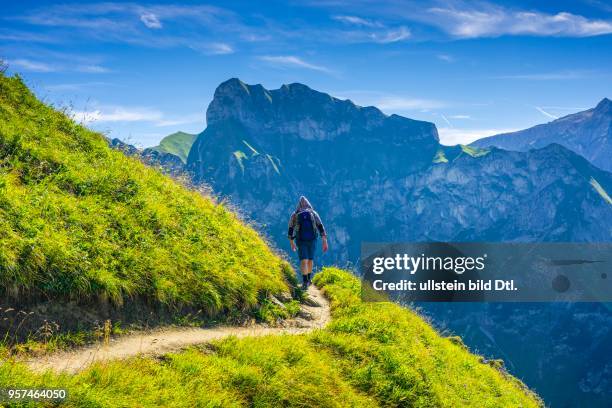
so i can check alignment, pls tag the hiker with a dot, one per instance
(303, 227)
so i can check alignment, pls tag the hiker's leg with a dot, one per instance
(309, 267)
(310, 260)
(303, 255)
(311, 254)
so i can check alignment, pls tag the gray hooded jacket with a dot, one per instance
(304, 205)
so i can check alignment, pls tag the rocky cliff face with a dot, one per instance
(587, 133)
(304, 137)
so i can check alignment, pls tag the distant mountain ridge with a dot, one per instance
(168, 163)
(296, 122)
(386, 177)
(178, 144)
(588, 133)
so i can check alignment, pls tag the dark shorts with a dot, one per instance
(306, 249)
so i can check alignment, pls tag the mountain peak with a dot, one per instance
(296, 86)
(232, 86)
(605, 105)
(586, 133)
(297, 110)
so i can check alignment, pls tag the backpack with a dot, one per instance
(306, 228)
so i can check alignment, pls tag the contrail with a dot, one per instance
(543, 112)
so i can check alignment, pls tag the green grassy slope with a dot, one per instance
(178, 144)
(372, 354)
(394, 355)
(79, 221)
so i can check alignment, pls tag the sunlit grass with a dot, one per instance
(474, 151)
(81, 222)
(372, 354)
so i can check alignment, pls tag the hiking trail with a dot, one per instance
(166, 340)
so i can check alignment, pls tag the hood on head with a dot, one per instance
(303, 204)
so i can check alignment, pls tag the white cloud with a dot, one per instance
(357, 35)
(220, 48)
(547, 114)
(493, 21)
(133, 23)
(369, 31)
(150, 20)
(255, 37)
(358, 21)
(92, 69)
(118, 114)
(391, 36)
(445, 57)
(452, 136)
(181, 120)
(566, 108)
(460, 117)
(549, 76)
(393, 104)
(73, 87)
(32, 66)
(390, 103)
(215, 48)
(24, 64)
(292, 61)
(20, 36)
(109, 114)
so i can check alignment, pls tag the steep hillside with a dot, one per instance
(82, 224)
(371, 355)
(178, 144)
(587, 133)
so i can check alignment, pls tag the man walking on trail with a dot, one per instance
(303, 227)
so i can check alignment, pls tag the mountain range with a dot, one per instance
(588, 133)
(378, 177)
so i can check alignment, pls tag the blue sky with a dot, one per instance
(140, 71)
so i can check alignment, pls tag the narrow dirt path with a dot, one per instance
(316, 314)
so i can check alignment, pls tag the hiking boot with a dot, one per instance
(305, 286)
